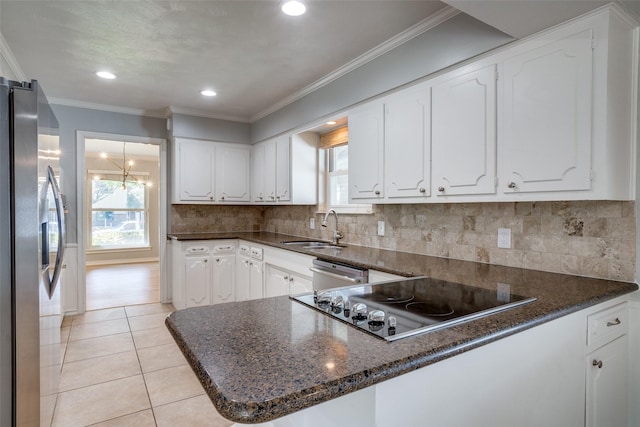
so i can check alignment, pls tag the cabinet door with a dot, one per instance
(607, 385)
(407, 143)
(546, 131)
(223, 278)
(366, 152)
(195, 172)
(269, 178)
(258, 173)
(299, 284)
(283, 169)
(256, 276)
(464, 134)
(197, 282)
(276, 281)
(232, 173)
(243, 279)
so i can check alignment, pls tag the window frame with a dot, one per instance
(107, 175)
(326, 155)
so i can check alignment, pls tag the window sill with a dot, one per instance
(118, 249)
(347, 210)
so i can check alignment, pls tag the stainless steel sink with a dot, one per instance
(312, 244)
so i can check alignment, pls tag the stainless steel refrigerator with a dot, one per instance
(31, 252)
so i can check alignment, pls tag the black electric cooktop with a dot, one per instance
(402, 308)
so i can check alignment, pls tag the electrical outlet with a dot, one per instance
(380, 228)
(504, 238)
(312, 223)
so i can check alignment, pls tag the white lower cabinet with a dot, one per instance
(249, 273)
(203, 272)
(607, 368)
(286, 272)
(607, 382)
(223, 277)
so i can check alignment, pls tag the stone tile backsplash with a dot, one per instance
(587, 238)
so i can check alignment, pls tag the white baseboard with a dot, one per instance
(122, 261)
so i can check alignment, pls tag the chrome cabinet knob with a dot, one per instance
(206, 260)
(441, 189)
(512, 185)
(423, 190)
(597, 363)
(222, 198)
(210, 197)
(377, 192)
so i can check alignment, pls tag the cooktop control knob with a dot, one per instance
(347, 308)
(376, 320)
(323, 299)
(359, 311)
(337, 304)
(392, 322)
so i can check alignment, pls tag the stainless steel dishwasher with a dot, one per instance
(327, 275)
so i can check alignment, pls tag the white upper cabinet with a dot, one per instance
(194, 171)
(407, 146)
(547, 109)
(210, 172)
(389, 148)
(366, 152)
(233, 166)
(464, 132)
(285, 170)
(565, 112)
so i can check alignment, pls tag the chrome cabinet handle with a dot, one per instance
(441, 189)
(512, 185)
(597, 363)
(614, 323)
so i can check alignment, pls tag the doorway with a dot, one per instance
(122, 221)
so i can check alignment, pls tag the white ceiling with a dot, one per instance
(165, 51)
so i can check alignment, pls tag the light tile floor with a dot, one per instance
(122, 368)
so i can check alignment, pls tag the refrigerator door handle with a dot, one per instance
(57, 197)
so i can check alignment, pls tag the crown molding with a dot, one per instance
(111, 108)
(432, 21)
(198, 113)
(8, 56)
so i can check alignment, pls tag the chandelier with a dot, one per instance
(125, 167)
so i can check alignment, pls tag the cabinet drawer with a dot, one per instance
(607, 325)
(196, 249)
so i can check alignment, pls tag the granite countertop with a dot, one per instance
(263, 359)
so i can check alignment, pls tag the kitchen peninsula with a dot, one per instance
(274, 359)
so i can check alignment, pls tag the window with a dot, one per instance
(118, 214)
(337, 181)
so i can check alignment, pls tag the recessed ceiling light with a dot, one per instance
(293, 8)
(106, 75)
(331, 122)
(208, 92)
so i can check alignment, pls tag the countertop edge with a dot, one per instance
(256, 412)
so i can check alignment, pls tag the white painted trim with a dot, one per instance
(111, 108)
(432, 21)
(8, 56)
(81, 135)
(122, 261)
(200, 113)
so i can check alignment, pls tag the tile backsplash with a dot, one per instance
(588, 238)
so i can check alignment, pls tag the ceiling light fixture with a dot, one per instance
(331, 122)
(106, 75)
(293, 8)
(208, 92)
(125, 168)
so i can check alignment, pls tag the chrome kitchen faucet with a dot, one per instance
(337, 235)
